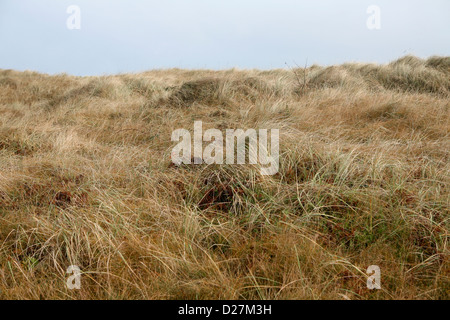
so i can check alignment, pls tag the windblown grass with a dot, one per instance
(85, 179)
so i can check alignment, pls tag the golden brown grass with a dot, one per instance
(85, 179)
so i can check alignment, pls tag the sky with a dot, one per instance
(118, 36)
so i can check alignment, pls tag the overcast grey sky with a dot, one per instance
(137, 35)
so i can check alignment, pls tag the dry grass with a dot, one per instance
(85, 179)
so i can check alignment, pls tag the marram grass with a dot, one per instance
(86, 179)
